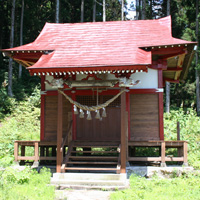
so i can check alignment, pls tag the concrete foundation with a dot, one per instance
(149, 171)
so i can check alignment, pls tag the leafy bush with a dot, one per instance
(189, 131)
(26, 184)
(22, 124)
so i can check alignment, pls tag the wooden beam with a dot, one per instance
(174, 69)
(160, 104)
(171, 80)
(42, 107)
(123, 132)
(59, 132)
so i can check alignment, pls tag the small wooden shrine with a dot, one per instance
(102, 92)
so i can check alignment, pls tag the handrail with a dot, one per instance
(66, 137)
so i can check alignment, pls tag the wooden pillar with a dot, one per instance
(160, 104)
(16, 149)
(163, 164)
(59, 132)
(185, 149)
(123, 132)
(36, 152)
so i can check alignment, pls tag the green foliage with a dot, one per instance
(182, 188)
(190, 131)
(26, 184)
(22, 124)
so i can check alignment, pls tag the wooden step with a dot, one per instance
(91, 163)
(95, 146)
(102, 143)
(93, 157)
(95, 152)
(92, 169)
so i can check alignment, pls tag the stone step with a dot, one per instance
(90, 181)
(89, 176)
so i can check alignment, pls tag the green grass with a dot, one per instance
(26, 185)
(186, 187)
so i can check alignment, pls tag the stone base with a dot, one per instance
(149, 171)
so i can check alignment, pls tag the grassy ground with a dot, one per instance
(186, 187)
(26, 185)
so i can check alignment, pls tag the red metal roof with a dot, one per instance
(100, 44)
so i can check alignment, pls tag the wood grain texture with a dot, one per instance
(50, 128)
(144, 116)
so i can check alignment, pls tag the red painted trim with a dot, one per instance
(174, 69)
(129, 117)
(143, 91)
(160, 104)
(73, 118)
(33, 70)
(42, 106)
(170, 50)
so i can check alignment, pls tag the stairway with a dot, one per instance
(92, 157)
(101, 181)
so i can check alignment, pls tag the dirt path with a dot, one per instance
(82, 195)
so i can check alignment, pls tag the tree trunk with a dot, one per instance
(143, 9)
(10, 68)
(104, 10)
(21, 34)
(167, 87)
(82, 10)
(57, 10)
(197, 59)
(94, 10)
(122, 10)
(137, 9)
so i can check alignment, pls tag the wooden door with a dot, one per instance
(107, 129)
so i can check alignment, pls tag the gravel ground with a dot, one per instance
(82, 195)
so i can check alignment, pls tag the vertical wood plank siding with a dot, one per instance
(50, 130)
(144, 116)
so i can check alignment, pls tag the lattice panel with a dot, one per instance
(87, 100)
(115, 103)
(92, 100)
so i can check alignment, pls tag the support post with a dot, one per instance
(160, 103)
(163, 164)
(59, 132)
(123, 132)
(185, 149)
(178, 131)
(16, 150)
(36, 161)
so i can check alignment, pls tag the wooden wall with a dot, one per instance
(50, 120)
(144, 116)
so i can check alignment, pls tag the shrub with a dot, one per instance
(27, 184)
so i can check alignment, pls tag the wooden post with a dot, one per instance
(59, 132)
(36, 151)
(16, 149)
(123, 132)
(36, 161)
(178, 131)
(185, 149)
(163, 164)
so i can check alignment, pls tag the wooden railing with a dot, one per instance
(69, 131)
(181, 146)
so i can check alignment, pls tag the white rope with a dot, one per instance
(92, 108)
